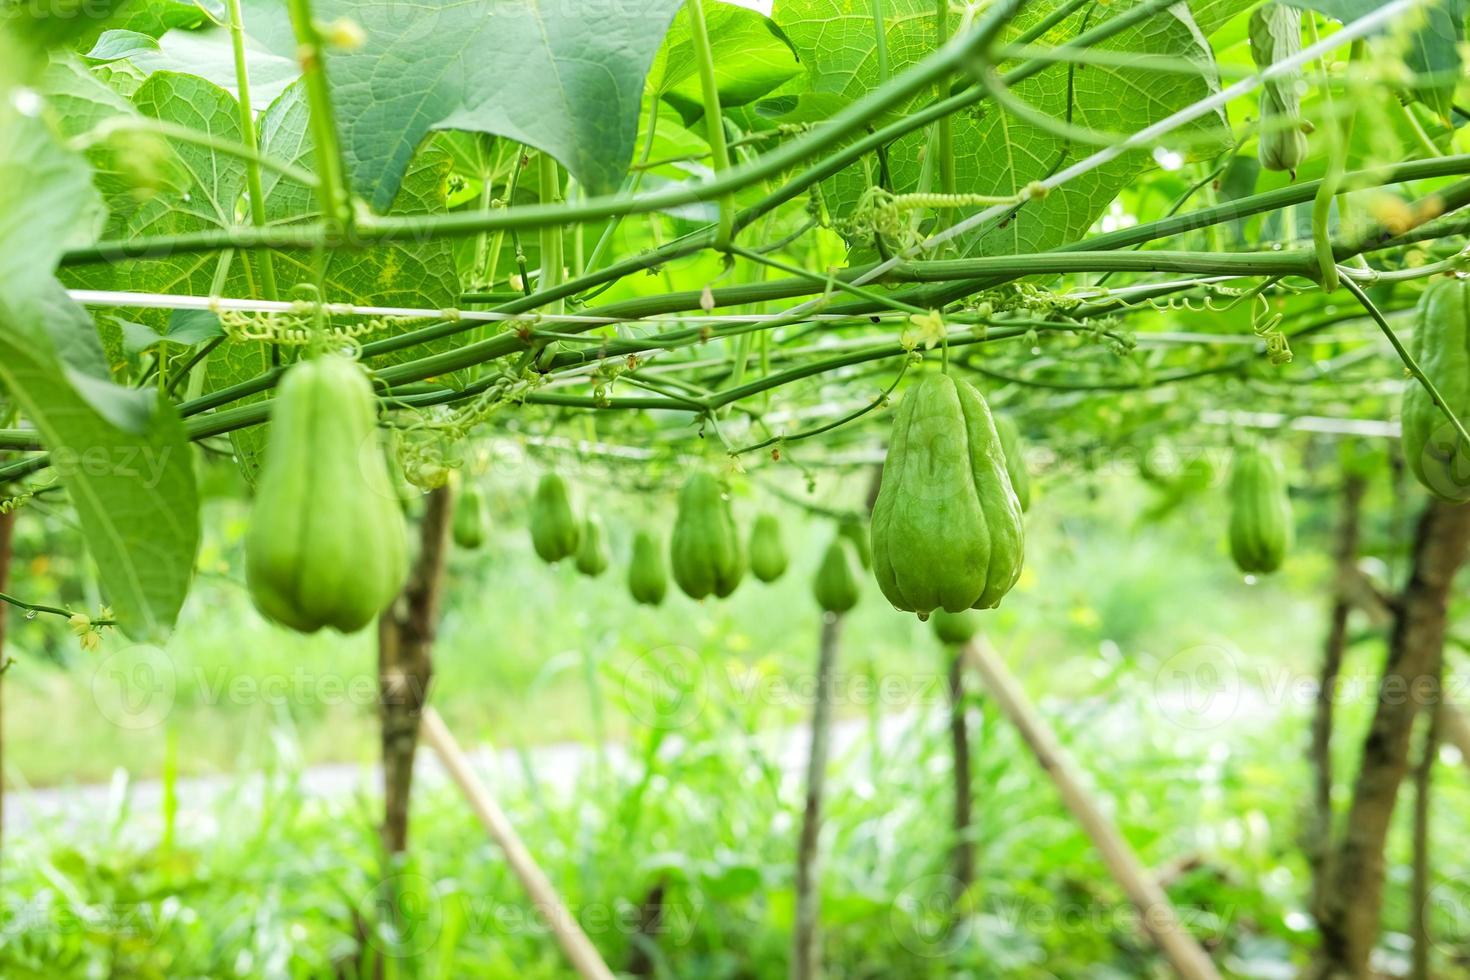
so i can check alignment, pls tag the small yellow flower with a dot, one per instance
(924, 328)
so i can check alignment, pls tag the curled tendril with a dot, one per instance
(1267, 326)
(884, 213)
(12, 504)
(306, 324)
(429, 442)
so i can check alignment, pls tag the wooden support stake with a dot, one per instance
(569, 935)
(1157, 914)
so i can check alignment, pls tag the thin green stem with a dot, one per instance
(850, 417)
(247, 135)
(1409, 362)
(880, 41)
(327, 149)
(714, 116)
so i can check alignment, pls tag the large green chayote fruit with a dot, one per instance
(705, 551)
(1436, 454)
(326, 545)
(947, 530)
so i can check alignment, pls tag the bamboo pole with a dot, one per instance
(1157, 914)
(569, 935)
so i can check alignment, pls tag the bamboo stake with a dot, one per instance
(569, 935)
(1159, 916)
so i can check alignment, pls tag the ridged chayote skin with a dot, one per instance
(705, 551)
(947, 530)
(647, 579)
(592, 552)
(835, 587)
(1436, 454)
(767, 551)
(555, 532)
(326, 545)
(1010, 444)
(1261, 529)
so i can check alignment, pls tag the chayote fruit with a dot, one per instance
(1261, 529)
(555, 532)
(705, 551)
(947, 530)
(592, 551)
(767, 550)
(326, 545)
(1435, 452)
(648, 581)
(835, 587)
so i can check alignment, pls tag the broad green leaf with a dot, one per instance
(76, 101)
(566, 78)
(206, 53)
(133, 490)
(185, 328)
(126, 466)
(752, 57)
(997, 153)
(1434, 54)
